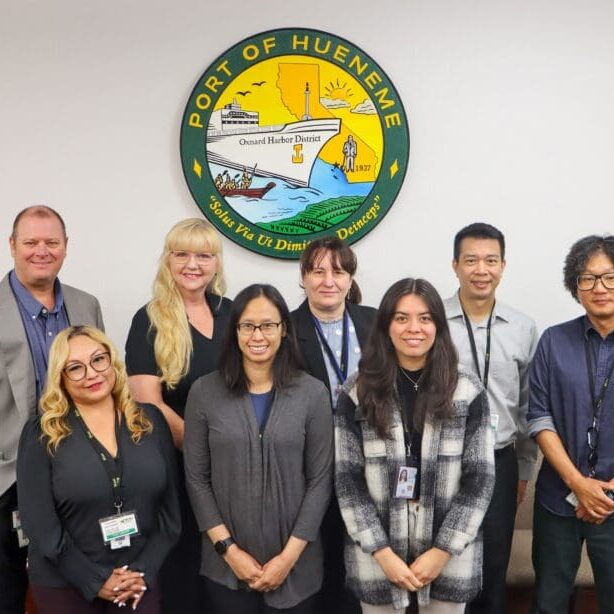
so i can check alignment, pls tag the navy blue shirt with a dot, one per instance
(262, 406)
(41, 325)
(560, 401)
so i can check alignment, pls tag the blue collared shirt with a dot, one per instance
(41, 325)
(560, 401)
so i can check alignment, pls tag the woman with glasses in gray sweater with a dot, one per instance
(258, 457)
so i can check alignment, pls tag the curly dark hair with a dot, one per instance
(580, 253)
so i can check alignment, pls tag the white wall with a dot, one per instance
(511, 121)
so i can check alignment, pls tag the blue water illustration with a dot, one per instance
(284, 200)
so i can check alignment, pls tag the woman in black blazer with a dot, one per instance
(331, 328)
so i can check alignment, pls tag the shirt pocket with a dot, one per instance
(453, 432)
(374, 448)
(504, 380)
(376, 472)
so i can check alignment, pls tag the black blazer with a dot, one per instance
(362, 317)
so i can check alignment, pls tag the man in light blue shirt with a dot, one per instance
(496, 342)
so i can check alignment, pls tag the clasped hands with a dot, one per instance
(122, 586)
(263, 578)
(594, 505)
(422, 571)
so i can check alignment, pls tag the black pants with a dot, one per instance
(13, 577)
(336, 599)
(227, 601)
(498, 530)
(179, 578)
(557, 546)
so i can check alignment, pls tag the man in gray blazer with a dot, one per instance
(34, 307)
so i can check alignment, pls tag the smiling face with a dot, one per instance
(192, 271)
(38, 249)
(256, 347)
(327, 286)
(479, 268)
(412, 332)
(599, 302)
(96, 386)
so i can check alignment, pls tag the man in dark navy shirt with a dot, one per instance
(34, 307)
(571, 415)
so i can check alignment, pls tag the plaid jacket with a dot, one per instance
(457, 479)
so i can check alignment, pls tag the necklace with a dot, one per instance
(416, 383)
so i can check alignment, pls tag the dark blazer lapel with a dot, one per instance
(309, 344)
(16, 351)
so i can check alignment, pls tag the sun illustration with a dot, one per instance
(338, 91)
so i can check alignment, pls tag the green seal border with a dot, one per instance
(385, 189)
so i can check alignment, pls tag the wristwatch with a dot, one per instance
(222, 546)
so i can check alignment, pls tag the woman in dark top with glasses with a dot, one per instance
(173, 340)
(97, 485)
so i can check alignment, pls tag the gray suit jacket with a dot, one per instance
(17, 378)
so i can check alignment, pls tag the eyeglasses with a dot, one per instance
(268, 329)
(202, 258)
(587, 282)
(76, 371)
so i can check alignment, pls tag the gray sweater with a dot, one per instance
(264, 489)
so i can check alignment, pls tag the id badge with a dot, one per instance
(494, 422)
(406, 482)
(22, 540)
(118, 529)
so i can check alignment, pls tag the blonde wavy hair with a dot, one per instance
(55, 403)
(166, 311)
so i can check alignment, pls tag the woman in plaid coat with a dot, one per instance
(414, 462)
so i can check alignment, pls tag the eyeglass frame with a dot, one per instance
(255, 327)
(595, 279)
(82, 364)
(184, 260)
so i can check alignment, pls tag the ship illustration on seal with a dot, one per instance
(235, 139)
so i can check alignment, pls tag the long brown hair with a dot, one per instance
(378, 369)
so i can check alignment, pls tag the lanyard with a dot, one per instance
(411, 436)
(341, 369)
(114, 472)
(597, 401)
(474, 349)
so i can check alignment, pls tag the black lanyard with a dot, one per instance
(596, 400)
(341, 369)
(474, 349)
(411, 436)
(113, 469)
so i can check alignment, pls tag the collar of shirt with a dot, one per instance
(455, 310)
(588, 328)
(33, 307)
